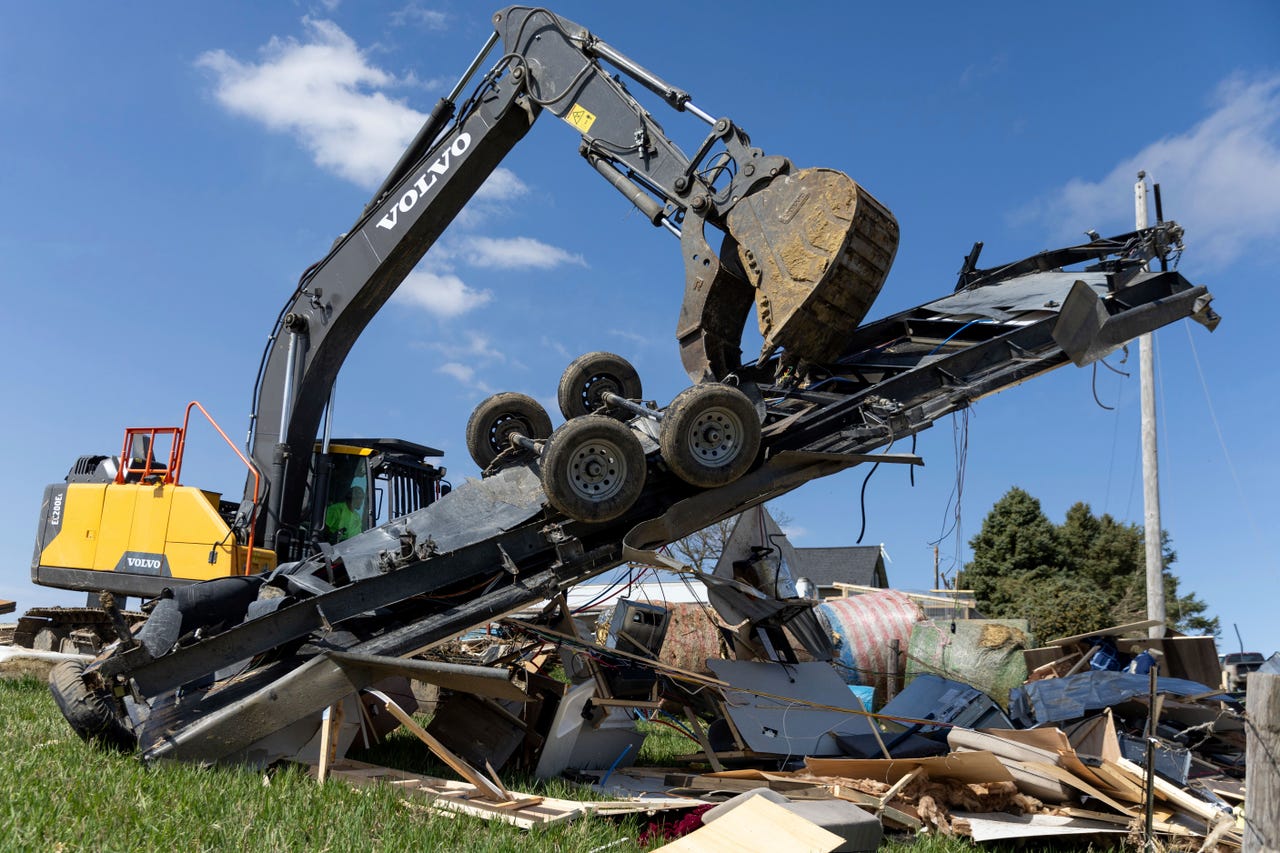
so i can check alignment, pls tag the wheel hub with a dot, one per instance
(597, 471)
(595, 389)
(500, 437)
(716, 437)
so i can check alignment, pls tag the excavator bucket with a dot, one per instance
(816, 247)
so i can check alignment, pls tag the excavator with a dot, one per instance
(290, 621)
(809, 247)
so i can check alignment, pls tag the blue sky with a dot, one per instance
(170, 170)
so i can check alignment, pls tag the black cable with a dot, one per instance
(1116, 369)
(1094, 387)
(863, 501)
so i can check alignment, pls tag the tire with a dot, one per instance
(589, 376)
(92, 715)
(710, 435)
(491, 424)
(593, 469)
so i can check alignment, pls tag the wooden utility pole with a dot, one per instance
(1150, 467)
(1262, 764)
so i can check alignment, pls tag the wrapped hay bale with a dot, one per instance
(983, 653)
(861, 627)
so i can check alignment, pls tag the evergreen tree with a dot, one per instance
(1086, 574)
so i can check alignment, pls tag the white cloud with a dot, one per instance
(632, 337)
(324, 91)
(441, 293)
(502, 185)
(465, 374)
(555, 346)
(460, 372)
(416, 13)
(475, 348)
(1220, 179)
(510, 253)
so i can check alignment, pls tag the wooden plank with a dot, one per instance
(898, 786)
(891, 813)
(484, 786)
(329, 726)
(757, 824)
(968, 767)
(451, 797)
(1117, 631)
(1173, 794)
(702, 739)
(1089, 814)
(1068, 778)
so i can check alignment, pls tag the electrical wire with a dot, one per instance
(1094, 388)
(1222, 441)
(958, 331)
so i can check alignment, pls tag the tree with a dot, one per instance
(1086, 574)
(702, 550)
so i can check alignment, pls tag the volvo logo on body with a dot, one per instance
(425, 181)
(144, 563)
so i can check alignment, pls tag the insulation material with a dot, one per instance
(861, 628)
(983, 653)
(692, 638)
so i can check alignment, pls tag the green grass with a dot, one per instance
(60, 794)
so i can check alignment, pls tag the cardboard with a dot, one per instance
(757, 825)
(966, 767)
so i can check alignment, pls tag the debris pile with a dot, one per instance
(972, 730)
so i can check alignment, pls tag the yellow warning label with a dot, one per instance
(581, 118)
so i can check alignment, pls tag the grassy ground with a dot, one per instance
(58, 793)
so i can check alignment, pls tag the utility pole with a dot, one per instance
(1150, 468)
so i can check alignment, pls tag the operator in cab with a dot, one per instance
(345, 518)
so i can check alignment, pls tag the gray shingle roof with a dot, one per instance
(856, 564)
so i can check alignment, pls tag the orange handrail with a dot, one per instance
(253, 469)
(147, 471)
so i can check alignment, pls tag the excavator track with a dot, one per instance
(74, 630)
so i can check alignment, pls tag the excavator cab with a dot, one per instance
(364, 482)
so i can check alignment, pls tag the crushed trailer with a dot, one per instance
(240, 669)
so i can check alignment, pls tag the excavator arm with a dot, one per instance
(808, 247)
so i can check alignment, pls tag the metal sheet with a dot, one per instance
(227, 730)
(789, 726)
(1045, 291)
(475, 511)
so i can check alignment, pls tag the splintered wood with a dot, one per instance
(449, 797)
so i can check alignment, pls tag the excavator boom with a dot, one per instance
(809, 248)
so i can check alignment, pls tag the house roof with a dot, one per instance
(856, 564)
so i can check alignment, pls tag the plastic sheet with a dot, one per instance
(1057, 699)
